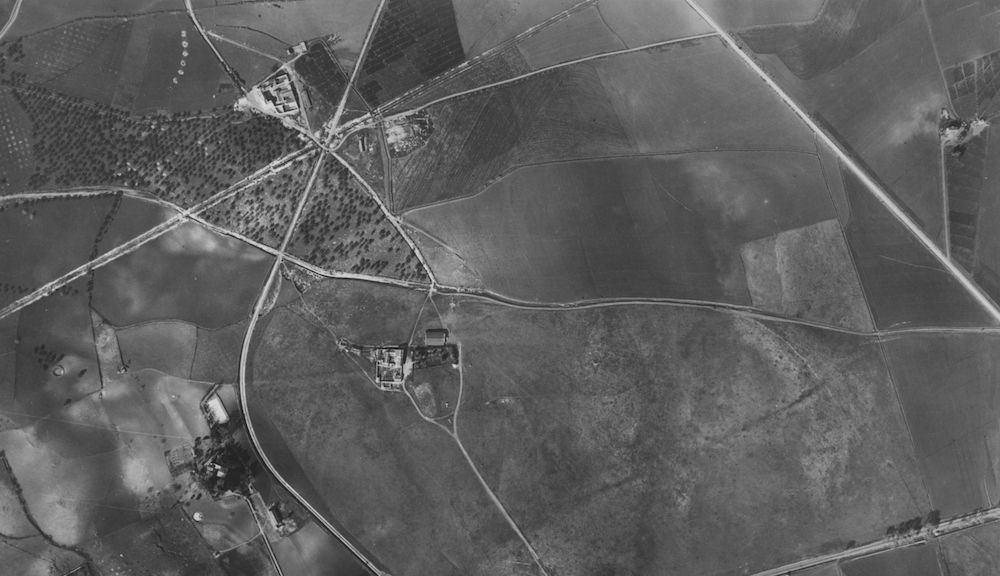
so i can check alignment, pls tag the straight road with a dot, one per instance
(10, 19)
(876, 190)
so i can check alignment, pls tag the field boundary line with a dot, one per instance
(549, 68)
(624, 156)
(873, 187)
(153, 233)
(244, 403)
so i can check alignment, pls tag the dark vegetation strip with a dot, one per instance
(31, 517)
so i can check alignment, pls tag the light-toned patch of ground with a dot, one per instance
(165, 346)
(806, 273)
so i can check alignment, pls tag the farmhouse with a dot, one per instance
(436, 337)
(391, 368)
(279, 95)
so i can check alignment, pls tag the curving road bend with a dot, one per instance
(10, 20)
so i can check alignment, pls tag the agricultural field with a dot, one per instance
(264, 212)
(182, 159)
(903, 283)
(963, 31)
(598, 109)
(343, 229)
(729, 227)
(971, 553)
(415, 41)
(186, 274)
(867, 72)
(917, 561)
(621, 440)
(166, 347)
(217, 353)
(738, 15)
(324, 80)
(946, 385)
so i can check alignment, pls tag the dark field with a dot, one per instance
(913, 561)
(342, 228)
(904, 284)
(324, 80)
(415, 41)
(987, 232)
(189, 274)
(622, 441)
(694, 226)
(386, 475)
(875, 84)
(947, 385)
(608, 107)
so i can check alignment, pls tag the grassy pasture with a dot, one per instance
(903, 283)
(623, 441)
(882, 103)
(987, 262)
(37, 16)
(911, 561)
(189, 274)
(396, 483)
(630, 20)
(53, 332)
(583, 34)
(692, 226)
(251, 67)
(167, 347)
(313, 552)
(947, 387)
(166, 544)
(217, 354)
(43, 240)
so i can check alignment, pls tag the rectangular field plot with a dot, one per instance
(904, 284)
(697, 226)
(947, 385)
(324, 81)
(15, 145)
(964, 30)
(602, 108)
(867, 72)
